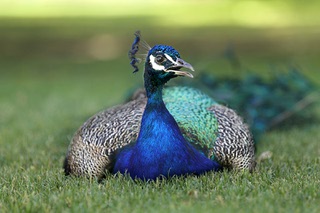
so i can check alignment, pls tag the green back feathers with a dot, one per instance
(189, 107)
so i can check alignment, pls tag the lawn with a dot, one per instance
(57, 72)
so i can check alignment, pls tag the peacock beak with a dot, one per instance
(177, 65)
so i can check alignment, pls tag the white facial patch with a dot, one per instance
(154, 65)
(170, 59)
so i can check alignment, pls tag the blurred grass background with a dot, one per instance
(62, 61)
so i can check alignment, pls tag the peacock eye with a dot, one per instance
(159, 59)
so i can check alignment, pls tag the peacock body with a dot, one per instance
(175, 132)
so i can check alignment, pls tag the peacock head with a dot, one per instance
(165, 63)
(162, 62)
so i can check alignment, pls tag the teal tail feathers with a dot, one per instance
(264, 104)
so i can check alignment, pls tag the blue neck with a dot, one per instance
(160, 148)
(158, 124)
(153, 86)
(158, 127)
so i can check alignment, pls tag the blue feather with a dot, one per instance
(161, 149)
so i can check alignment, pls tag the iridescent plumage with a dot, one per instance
(208, 135)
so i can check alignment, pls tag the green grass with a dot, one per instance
(49, 85)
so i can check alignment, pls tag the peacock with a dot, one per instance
(162, 131)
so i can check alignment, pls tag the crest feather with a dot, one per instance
(133, 52)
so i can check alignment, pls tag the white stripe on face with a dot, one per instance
(170, 58)
(154, 65)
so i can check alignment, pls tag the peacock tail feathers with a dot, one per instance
(263, 103)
